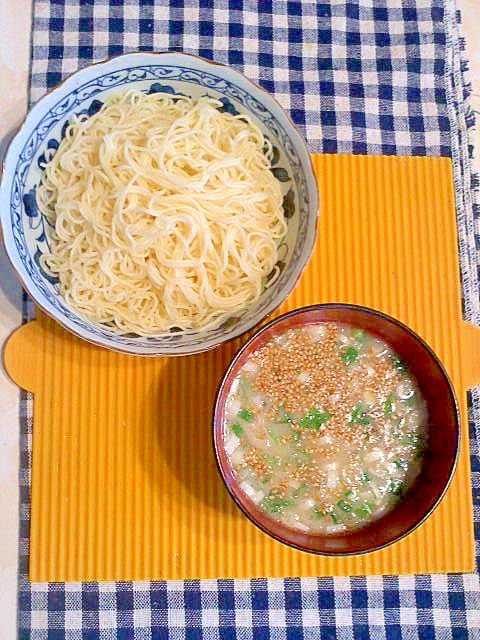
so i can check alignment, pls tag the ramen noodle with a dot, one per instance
(163, 214)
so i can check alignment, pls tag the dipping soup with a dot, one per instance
(325, 428)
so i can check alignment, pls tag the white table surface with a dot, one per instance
(15, 20)
(14, 60)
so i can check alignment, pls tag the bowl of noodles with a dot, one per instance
(158, 204)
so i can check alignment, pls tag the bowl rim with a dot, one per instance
(68, 84)
(218, 439)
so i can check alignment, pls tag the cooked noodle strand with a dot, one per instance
(164, 213)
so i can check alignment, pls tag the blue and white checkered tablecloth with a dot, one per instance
(358, 76)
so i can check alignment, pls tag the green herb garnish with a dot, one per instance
(274, 504)
(319, 513)
(272, 461)
(358, 335)
(364, 477)
(314, 419)
(397, 362)
(396, 487)
(359, 416)
(245, 389)
(298, 493)
(410, 440)
(388, 405)
(396, 427)
(401, 464)
(299, 457)
(363, 511)
(245, 414)
(237, 429)
(344, 505)
(349, 355)
(295, 437)
(414, 441)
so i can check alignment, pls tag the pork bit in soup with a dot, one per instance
(325, 428)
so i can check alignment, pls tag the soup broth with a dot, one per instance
(325, 428)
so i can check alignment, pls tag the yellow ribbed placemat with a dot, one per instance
(124, 482)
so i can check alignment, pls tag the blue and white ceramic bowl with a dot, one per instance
(85, 91)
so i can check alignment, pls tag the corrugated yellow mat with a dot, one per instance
(124, 482)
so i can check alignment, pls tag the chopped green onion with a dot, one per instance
(410, 440)
(272, 461)
(245, 389)
(299, 457)
(298, 493)
(396, 426)
(359, 416)
(396, 487)
(274, 504)
(245, 414)
(344, 505)
(358, 334)
(401, 464)
(388, 405)
(237, 429)
(363, 511)
(414, 441)
(397, 362)
(295, 437)
(318, 513)
(364, 477)
(314, 419)
(349, 355)
(418, 452)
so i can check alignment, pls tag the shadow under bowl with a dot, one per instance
(440, 455)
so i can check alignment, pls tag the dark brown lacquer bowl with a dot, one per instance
(441, 450)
